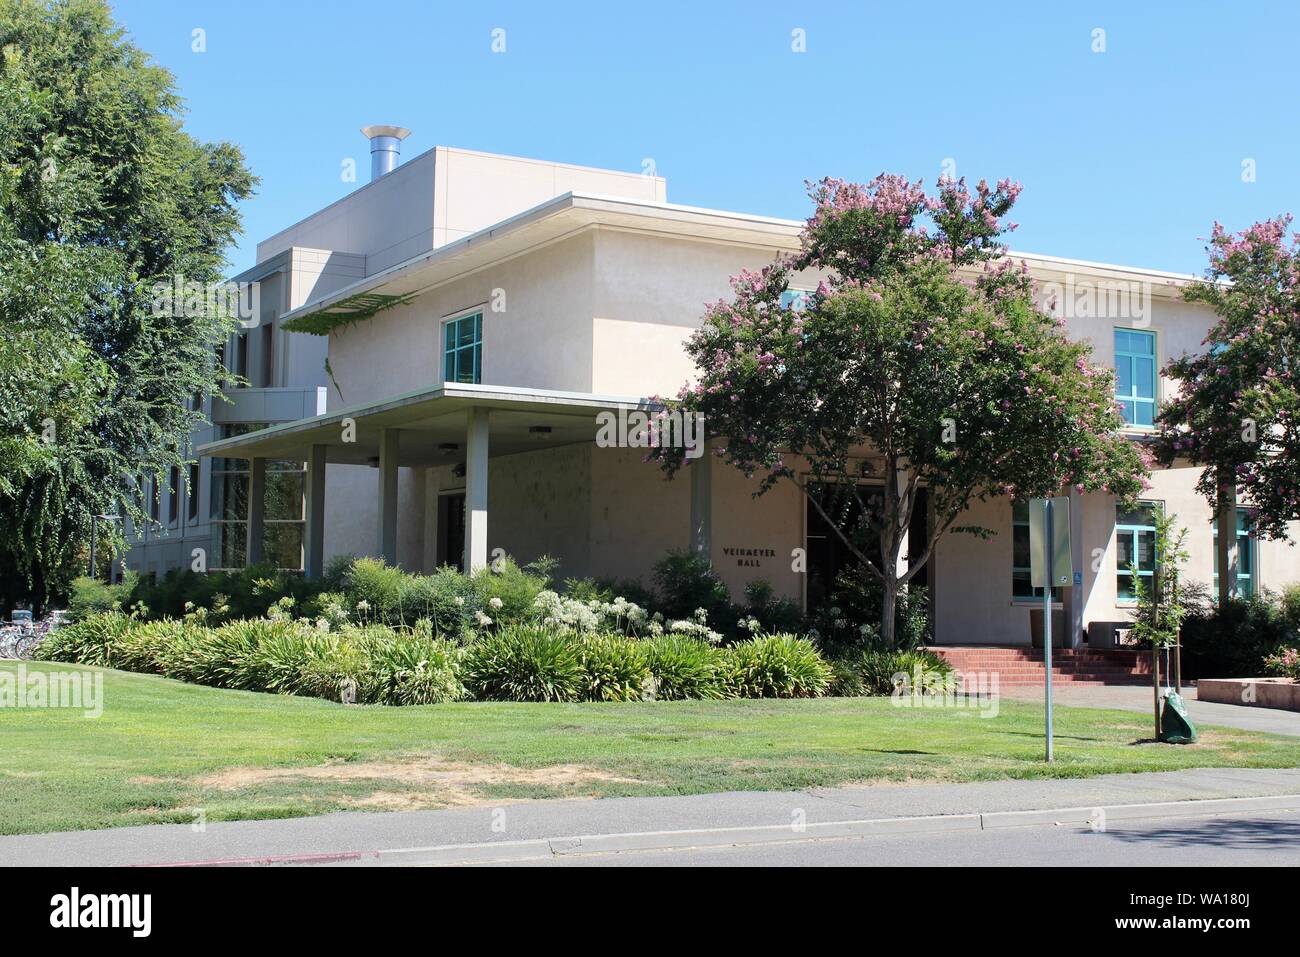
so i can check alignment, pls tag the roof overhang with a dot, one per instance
(433, 424)
(554, 220)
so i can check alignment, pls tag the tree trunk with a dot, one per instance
(888, 608)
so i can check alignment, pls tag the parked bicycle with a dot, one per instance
(21, 638)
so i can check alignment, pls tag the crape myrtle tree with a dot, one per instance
(921, 361)
(102, 195)
(1237, 409)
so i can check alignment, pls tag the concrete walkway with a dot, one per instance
(527, 831)
(1139, 698)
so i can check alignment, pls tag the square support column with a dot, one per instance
(256, 511)
(476, 491)
(701, 471)
(388, 439)
(313, 539)
(1226, 542)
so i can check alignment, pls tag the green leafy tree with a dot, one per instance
(1237, 409)
(1163, 606)
(918, 363)
(103, 196)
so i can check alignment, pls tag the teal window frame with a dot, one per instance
(1137, 378)
(795, 299)
(462, 349)
(1134, 532)
(1022, 589)
(1247, 554)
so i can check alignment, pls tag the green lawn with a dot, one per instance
(163, 749)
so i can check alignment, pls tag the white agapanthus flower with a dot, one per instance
(495, 603)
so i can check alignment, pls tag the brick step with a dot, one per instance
(1023, 667)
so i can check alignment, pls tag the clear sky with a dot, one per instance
(1127, 155)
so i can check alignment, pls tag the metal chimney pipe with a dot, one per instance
(385, 148)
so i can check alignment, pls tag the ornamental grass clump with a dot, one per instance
(524, 663)
(614, 667)
(685, 667)
(778, 666)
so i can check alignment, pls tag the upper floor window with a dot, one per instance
(1135, 376)
(1021, 572)
(796, 299)
(173, 495)
(462, 349)
(1135, 545)
(1245, 555)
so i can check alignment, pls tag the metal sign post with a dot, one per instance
(1050, 560)
(1047, 630)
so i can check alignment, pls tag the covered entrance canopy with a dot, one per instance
(448, 424)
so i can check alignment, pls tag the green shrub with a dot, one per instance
(1233, 642)
(374, 588)
(778, 666)
(524, 663)
(410, 668)
(217, 656)
(846, 679)
(615, 667)
(685, 667)
(872, 672)
(849, 622)
(507, 592)
(91, 641)
(90, 596)
(446, 598)
(685, 581)
(775, 615)
(151, 646)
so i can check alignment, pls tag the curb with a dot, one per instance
(547, 848)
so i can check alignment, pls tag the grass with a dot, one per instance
(164, 751)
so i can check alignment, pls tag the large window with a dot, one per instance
(796, 299)
(1135, 376)
(462, 349)
(192, 501)
(1245, 555)
(173, 495)
(1135, 544)
(1022, 587)
(283, 514)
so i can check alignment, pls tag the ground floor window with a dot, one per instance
(1135, 544)
(1246, 548)
(1021, 571)
(283, 514)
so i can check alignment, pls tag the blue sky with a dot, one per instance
(1127, 155)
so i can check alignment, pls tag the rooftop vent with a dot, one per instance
(385, 148)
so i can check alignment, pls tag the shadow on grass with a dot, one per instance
(1058, 737)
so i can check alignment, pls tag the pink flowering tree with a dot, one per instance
(921, 361)
(1238, 404)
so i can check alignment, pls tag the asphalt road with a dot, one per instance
(1271, 840)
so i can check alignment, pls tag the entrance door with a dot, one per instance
(828, 555)
(451, 530)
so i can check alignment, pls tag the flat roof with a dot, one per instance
(566, 214)
(430, 421)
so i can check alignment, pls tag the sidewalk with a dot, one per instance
(1139, 698)
(543, 827)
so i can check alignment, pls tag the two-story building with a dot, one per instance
(482, 313)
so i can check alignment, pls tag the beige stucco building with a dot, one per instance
(522, 300)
